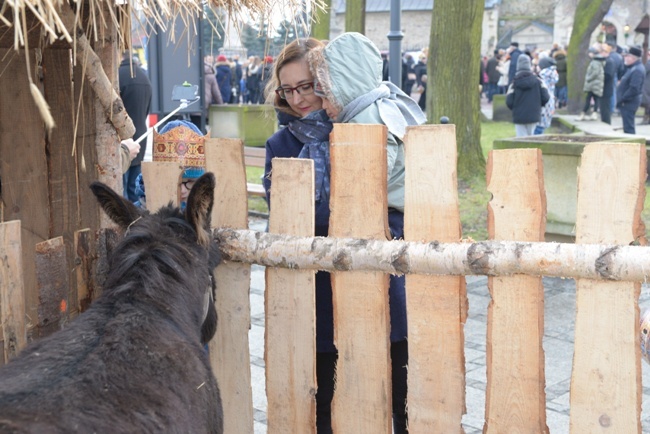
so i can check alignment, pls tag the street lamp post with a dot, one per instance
(395, 43)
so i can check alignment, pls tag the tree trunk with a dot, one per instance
(588, 15)
(492, 258)
(452, 87)
(355, 16)
(320, 28)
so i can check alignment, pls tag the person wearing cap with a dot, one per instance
(526, 96)
(224, 77)
(630, 88)
(548, 74)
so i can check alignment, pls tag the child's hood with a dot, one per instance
(348, 67)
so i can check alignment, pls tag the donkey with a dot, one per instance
(135, 360)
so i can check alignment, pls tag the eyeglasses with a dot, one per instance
(188, 184)
(287, 92)
(318, 90)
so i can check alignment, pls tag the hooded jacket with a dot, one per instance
(595, 77)
(224, 78)
(356, 89)
(526, 96)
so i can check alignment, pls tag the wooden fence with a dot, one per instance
(606, 385)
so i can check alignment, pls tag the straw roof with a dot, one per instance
(50, 15)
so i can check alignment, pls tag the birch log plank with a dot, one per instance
(161, 183)
(515, 394)
(229, 351)
(436, 305)
(606, 379)
(362, 400)
(290, 335)
(12, 291)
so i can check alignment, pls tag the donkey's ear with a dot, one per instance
(199, 207)
(119, 209)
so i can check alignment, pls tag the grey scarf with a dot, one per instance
(396, 109)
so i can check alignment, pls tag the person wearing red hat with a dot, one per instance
(224, 77)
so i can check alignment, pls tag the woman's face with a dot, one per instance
(297, 75)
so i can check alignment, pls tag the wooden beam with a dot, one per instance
(53, 285)
(12, 291)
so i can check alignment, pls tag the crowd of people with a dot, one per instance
(236, 82)
(615, 82)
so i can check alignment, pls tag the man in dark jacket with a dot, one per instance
(514, 55)
(493, 75)
(526, 97)
(617, 59)
(135, 91)
(630, 89)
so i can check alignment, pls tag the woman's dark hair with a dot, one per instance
(293, 52)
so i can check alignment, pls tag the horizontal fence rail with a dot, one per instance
(491, 258)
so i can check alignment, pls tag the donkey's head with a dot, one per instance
(165, 252)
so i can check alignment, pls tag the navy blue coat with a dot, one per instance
(630, 89)
(284, 144)
(526, 97)
(224, 80)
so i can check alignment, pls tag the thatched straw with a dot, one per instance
(159, 12)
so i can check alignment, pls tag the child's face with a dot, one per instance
(186, 186)
(329, 108)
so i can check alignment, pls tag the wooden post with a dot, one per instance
(515, 396)
(85, 288)
(53, 285)
(12, 295)
(362, 400)
(24, 175)
(229, 352)
(160, 183)
(290, 335)
(606, 378)
(436, 305)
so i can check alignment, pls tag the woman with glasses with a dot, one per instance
(348, 74)
(305, 134)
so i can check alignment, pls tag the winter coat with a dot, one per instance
(549, 77)
(645, 100)
(136, 95)
(356, 88)
(560, 59)
(630, 88)
(224, 79)
(595, 77)
(514, 55)
(212, 91)
(620, 64)
(526, 96)
(610, 78)
(491, 69)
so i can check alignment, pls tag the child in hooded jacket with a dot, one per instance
(348, 73)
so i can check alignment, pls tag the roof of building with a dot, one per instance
(407, 5)
(545, 27)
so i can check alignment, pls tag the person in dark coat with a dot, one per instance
(135, 91)
(515, 52)
(224, 77)
(408, 74)
(609, 85)
(493, 76)
(420, 69)
(561, 89)
(645, 99)
(630, 89)
(526, 96)
(615, 53)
